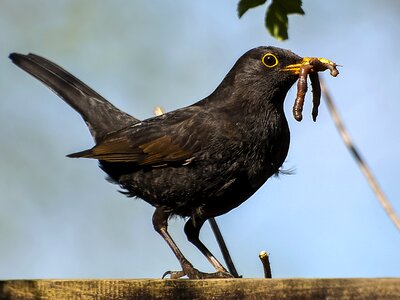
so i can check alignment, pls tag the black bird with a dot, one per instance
(196, 162)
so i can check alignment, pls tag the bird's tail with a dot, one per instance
(100, 115)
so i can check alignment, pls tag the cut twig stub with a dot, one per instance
(264, 257)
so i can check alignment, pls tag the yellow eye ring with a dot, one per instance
(269, 60)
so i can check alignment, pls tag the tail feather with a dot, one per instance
(81, 154)
(100, 115)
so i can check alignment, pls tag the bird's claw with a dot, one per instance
(193, 273)
(173, 274)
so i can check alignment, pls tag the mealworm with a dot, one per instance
(312, 68)
(316, 94)
(301, 92)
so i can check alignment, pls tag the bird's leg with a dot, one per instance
(192, 230)
(160, 223)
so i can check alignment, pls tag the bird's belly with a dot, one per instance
(213, 183)
(236, 191)
(206, 189)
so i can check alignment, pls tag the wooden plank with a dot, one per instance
(349, 288)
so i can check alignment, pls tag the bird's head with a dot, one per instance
(265, 68)
(268, 73)
(274, 67)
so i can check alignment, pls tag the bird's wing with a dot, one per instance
(165, 140)
(157, 150)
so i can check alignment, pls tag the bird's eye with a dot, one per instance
(269, 60)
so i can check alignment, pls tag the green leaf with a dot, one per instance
(245, 5)
(276, 18)
(291, 6)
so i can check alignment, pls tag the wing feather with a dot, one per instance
(154, 151)
(168, 139)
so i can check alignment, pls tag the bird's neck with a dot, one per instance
(249, 102)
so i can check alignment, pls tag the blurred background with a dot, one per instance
(59, 218)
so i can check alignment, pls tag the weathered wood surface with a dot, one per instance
(364, 288)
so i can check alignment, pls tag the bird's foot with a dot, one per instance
(193, 273)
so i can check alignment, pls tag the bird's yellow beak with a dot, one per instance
(314, 64)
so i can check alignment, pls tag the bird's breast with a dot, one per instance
(267, 149)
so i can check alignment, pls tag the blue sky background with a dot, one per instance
(59, 218)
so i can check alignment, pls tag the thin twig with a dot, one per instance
(357, 157)
(223, 248)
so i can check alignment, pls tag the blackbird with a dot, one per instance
(196, 162)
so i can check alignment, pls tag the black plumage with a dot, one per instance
(199, 161)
